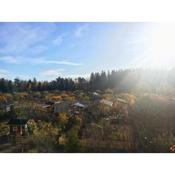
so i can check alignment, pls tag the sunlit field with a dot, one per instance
(87, 87)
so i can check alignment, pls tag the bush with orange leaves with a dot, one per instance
(4, 98)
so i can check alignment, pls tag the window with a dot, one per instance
(15, 129)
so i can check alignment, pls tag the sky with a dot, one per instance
(49, 50)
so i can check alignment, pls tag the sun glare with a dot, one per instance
(160, 47)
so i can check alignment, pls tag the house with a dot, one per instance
(95, 96)
(121, 101)
(18, 127)
(9, 107)
(106, 102)
(115, 103)
(46, 106)
(77, 108)
(6, 107)
(61, 106)
(79, 105)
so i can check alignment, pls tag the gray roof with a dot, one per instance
(106, 102)
(46, 106)
(95, 93)
(121, 100)
(79, 105)
(57, 102)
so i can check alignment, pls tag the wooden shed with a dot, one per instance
(18, 127)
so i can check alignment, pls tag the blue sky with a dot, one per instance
(49, 50)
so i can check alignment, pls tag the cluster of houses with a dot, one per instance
(18, 126)
(65, 106)
(76, 107)
(120, 104)
(114, 103)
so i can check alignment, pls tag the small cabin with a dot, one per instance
(106, 102)
(77, 108)
(96, 96)
(6, 107)
(119, 103)
(9, 107)
(61, 106)
(46, 106)
(79, 105)
(18, 127)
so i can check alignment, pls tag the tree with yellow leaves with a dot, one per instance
(63, 120)
(45, 137)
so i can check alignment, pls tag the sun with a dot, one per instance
(160, 47)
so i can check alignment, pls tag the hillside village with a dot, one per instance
(79, 121)
(92, 126)
(118, 111)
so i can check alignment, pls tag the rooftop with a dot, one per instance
(17, 121)
(57, 102)
(106, 102)
(95, 93)
(121, 100)
(79, 105)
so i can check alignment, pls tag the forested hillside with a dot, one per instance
(129, 80)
